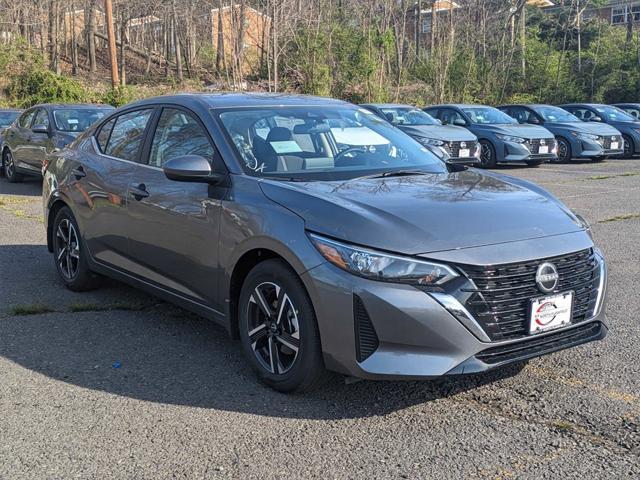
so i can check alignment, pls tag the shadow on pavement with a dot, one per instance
(30, 187)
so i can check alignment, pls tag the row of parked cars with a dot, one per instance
(467, 134)
(519, 133)
(318, 234)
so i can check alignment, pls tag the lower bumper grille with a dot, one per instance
(534, 145)
(455, 147)
(366, 337)
(607, 141)
(500, 301)
(537, 346)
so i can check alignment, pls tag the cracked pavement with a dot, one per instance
(117, 384)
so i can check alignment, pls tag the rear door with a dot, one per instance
(100, 180)
(175, 225)
(18, 138)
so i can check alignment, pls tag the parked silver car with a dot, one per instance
(322, 238)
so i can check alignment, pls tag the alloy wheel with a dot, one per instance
(8, 165)
(486, 155)
(627, 148)
(273, 328)
(563, 151)
(67, 249)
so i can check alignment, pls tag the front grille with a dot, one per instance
(455, 147)
(541, 345)
(533, 144)
(606, 142)
(500, 301)
(366, 337)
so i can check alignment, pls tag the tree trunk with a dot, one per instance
(176, 41)
(91, 37)
(111, 35)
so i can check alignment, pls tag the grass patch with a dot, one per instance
(31, 310)
(94, 307)
(617, 218)
(605, 177)
(563, 425)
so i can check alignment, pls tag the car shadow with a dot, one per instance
(30, 186)
(163, 354)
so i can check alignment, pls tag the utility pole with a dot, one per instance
(111, 36)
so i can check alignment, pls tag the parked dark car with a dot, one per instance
(626, 124)
(449, 142)
(41, 130)
(8, 116)
(502, 139)
(576, 139)
(322, 237)
(632, 109)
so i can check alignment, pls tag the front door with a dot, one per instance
(40, 144)
(174, 230)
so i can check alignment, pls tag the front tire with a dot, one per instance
(70, 253)
(564, 151)
(9, 168)
(629, 146)
(487, 154)
(278, 329)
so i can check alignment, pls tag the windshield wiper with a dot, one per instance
(394, 173)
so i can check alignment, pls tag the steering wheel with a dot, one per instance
(350, 150)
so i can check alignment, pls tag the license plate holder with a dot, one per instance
(464, 153)
(550, 312)
(614, 145)
(544, 149)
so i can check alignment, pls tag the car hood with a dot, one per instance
(587, 127)
(516, 130)
(422, 214)
(446, 133)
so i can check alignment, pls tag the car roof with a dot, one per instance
(457, 105)
(78, 106)
(234, 99)
(592, 105)
(632, 104)
(527, 105)
(388, 105)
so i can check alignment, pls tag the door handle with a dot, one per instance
(138, 191)
(78, 173)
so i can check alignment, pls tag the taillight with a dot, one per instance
(45, 164)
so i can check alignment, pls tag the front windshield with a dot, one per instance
(614, 114)
(7, 118)
(556, 115)
(322, 143)
(488, 116)
(408, 116)
(77, 120)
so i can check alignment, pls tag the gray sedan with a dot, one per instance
(322, 238)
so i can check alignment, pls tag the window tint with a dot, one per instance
(522, 115)
(178, 133)
(449, 116)
(25, 120)
(42, 118)
(104, 134)
(127, 135)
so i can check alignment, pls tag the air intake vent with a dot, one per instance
(366, 338)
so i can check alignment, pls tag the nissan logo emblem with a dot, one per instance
(543, 142)
(547, 277)
(463, 145)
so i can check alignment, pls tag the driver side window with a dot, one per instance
(25, 120)
(178, 133)
(42, 118)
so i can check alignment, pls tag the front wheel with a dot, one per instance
(10, 168)
(487, 154)
(629, 146)
(70, 254)
(278, 328)
(564, 151)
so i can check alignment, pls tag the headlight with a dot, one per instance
(584, 224)
(509, 138)
(382, 266)
(585, 136)
(430, 141)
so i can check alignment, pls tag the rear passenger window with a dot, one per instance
(127, 135)
(104, 134)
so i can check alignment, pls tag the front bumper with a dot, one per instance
(593, 148)
(523, 152)
(415, 335)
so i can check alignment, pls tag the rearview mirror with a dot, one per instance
(460, 122)
(40, 129)
(191, 168)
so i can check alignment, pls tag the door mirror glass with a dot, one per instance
(191, 168)
(460, 122)
(595, 119)
(534, 120)
(40, 128)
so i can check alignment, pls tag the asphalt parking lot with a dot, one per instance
(117, 384)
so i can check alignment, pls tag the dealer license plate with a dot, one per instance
(543, 149)
(614, 145)
(464, 153)
(549, 313)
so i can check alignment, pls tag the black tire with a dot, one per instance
(564, 150)
(598, 159)
(9, 168)
(487, 154)
(534, 163)
(68, 250)
(284, 369)
(629, 147)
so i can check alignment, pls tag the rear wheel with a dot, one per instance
(487, 154)
(70, 254)
(278, 328)
(564, 150)
(629, 146)
(9, 168)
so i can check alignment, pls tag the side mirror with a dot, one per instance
(191, 168)
(534, 121)
(459, 122)
(595, 119)
(40, 129)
